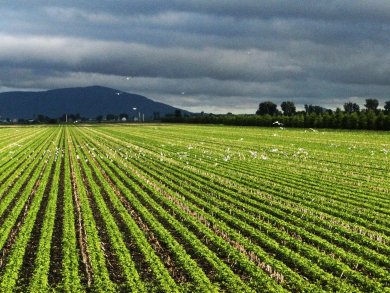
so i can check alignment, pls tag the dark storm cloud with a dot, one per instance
(360, 10)
(219, 54)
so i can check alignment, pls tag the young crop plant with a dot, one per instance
(193, 208)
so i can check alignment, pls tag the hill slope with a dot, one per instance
(87, 101)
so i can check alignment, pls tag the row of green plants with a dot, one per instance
(39, 280)
(149, 166)
(266, 181)
(184, 261)
(227, 202)
(25, 211)
(22, 190)
(185, 208)
(282, 237)
(289, 189)
(226, 278)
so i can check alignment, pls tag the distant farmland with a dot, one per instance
(193, 208)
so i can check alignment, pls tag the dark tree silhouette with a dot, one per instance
(267, 108)
(350, 107)
(288, 108)
(178, 113)
(314, 109)
(371, 104)
(387, 107)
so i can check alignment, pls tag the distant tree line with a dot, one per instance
(313, 116)
(72, 118)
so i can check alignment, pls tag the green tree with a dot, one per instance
(267, 107)
(319, 122)
(386, 123)
(350, 107)
(362, 120)
(314, 109)
(380, 121)
(310, 120)
(297, 120)
(354, 120)
(371, 119)
(346, 123)
(387, 107)
(327, 120)
(288, 108)
(339, 116)
(371, 104)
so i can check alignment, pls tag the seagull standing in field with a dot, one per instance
(277, 123)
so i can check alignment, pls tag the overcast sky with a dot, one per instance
(210, 55)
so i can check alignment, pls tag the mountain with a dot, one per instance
(87, 101)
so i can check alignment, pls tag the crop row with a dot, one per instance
(192, 208)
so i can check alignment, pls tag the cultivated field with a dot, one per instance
(193, 208)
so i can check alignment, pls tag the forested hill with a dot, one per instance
(87, 101)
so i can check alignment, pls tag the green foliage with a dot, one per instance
(288, 108)
(350, 107)
(267, 108)
(387, 107)
(314, 118)
(179, 208)
(371, 104)
(314, 109)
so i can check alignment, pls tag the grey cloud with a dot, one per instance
(187, 28)
(357, 10)
(205, 94)
(140, 60)
(322, 52)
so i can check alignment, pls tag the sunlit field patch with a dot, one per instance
(171, 208)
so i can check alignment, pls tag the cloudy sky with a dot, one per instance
(210, 55)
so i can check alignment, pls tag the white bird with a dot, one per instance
(118, 94)
(277, 123)
(253, 153)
